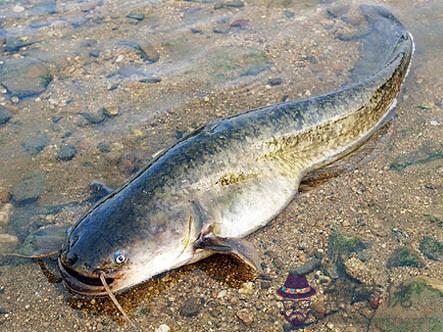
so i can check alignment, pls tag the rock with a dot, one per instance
(66, 152)
(416, 305)
(150, 80)
(431, 248)
(5, 116)
(240, 23)
(191, 307)
(136, 16)
(247, 288)
(14, 44)
(5, 196)
(245, 316)
(340, 248)
(7, 242)
(163, 328)
(405, 256)
(25, 77)
(45, 240)
(288, 13)
(147, 52)
(29, 188)
(94, 117)
(275, 81)
(5, 212)
(36, 145)
(307, 267)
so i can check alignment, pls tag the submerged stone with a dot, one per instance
(36, 144)
(431, 248)
(404, 256)
(66, 152)
(146, 52)
(29, 188)
(416, 305)
(25, 77)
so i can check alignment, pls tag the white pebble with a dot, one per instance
(18, 9)
(434, 123)
(163, 328)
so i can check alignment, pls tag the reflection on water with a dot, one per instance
(95, 89)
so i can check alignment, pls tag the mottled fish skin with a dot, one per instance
(235, 174)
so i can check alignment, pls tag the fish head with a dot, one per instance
(125, 242)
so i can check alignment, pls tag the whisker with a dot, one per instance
(114, 300)
(49, 254)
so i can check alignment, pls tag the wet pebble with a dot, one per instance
(8, 242)
(30, 187)
(245, 316)
(150, 80)
(14, 44)
(136, 16)
(5, 196)
(5, 212)
(104, 147)
(275, 81)
(66, 152)
(288, 13)
(35, 145)
(25, 77)
(191, 307)
(94, 53)
(240, 23)
(5, 116)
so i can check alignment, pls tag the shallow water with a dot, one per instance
(95, 89)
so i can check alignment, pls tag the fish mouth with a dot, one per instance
(81, 284)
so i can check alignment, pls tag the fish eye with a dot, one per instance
(119, 258)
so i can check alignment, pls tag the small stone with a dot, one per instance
(330, 326)
(275, 81)
(306, 268)
(66, 152)
(94, 53)
(5, 196)
(5, 116)
(29, 188)
(150, 80)
(18, 9)
(405, 256)
(319, 309)
(240, 23)
(163, 328)
(221, 29)
(5, 212)
(227, 4)
(245, 316)
(94, 117)
(27, 307)
(288, 13)
(358, 270)
(147, 52)
(104, 147)
(8, 242)
(136, 16)
(221, 294)
(247, 288)
(191, 307)
(110, 111)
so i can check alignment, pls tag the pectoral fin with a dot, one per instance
(240, 248)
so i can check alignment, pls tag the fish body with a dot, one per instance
(224, 181)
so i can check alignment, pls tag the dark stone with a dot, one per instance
(94, 53)
(3, 311)
(66, 152)
(275, 81)
(104, 147)
(240, 23)
(229, 4)
(94, 118)
(36, 145)
(431, 248)
(404, 256)
(15, 44)
(136, 16)
(307, 267)
(196, 30)
(5, 116)
(56, 118)
(29, 188)
(311, 59)
(150, 80)
(288, 13)
(191, 307)
(25, 77)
